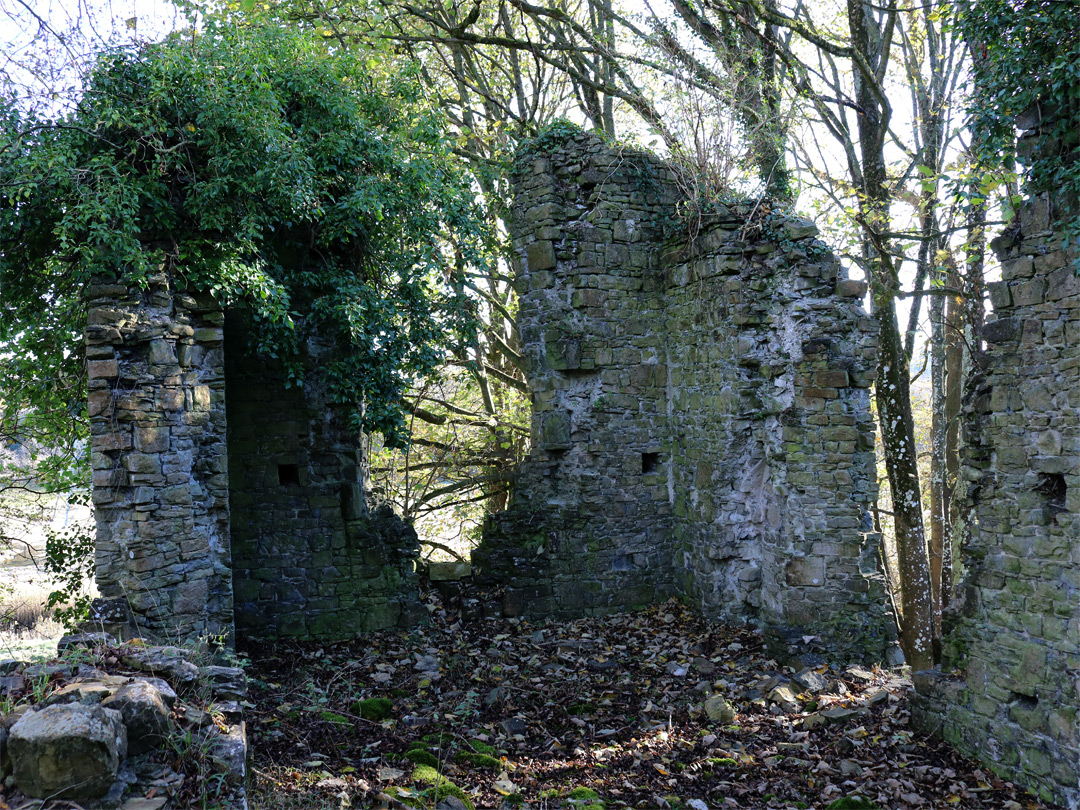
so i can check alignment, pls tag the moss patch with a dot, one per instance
(855, 802)
(373, 708)
(422, 757)
(441, 786)
(479, 760)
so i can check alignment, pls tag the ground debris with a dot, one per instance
(624, 710)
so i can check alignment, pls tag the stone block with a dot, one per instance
(209, 334)
(851, 288)
(102, 369)
(162, 352)
(145, 713)
(448, 571)
(999, 294)
(67, 751)
(1001, 330)
(805, 572)
(555, 430)
(540, 255)
(152, 440)
(1028, 292)
(831, 379)
(170, 399)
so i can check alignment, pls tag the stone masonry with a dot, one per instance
(309, 557)
(701, 421)
(206, 510)
(160, 483)
(1010, 692)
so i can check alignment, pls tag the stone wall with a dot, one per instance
(701, 420)
(309, 557)
(1011, 689)
(160, 484)
(195, 499)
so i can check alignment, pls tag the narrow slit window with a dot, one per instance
(649, 462)
(288, 474)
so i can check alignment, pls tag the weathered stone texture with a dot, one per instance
(309, 558)
(160, 484)
(701, 420)
(305, 554)
(1013, 645)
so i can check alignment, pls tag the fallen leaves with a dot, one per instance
(657, 708)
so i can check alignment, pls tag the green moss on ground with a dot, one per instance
(373, 708)
(441, 786)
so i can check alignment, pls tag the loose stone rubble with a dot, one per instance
(112, 739)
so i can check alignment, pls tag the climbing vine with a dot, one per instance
(313, 188)
(1027, 57)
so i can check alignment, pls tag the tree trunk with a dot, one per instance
(954, 390)
(939, 494)
(892, 387)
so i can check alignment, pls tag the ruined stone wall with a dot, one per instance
(1011, 689)
(160, 486)
(701, 418)
(772, 466)
(309, 558)
(194, 499)
(589, 529)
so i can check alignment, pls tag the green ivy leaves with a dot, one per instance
(312, 187)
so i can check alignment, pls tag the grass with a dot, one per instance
(28, 629)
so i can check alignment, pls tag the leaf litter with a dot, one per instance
(658, 708)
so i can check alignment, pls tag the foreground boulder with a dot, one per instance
(67, 751)
(145, 714)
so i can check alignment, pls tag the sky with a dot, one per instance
(43, 40)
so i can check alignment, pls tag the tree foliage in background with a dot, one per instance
(313, 187)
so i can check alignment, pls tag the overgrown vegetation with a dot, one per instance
(1039, 42)
(314, 189)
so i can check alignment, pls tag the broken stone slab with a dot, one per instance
(860, 674)
(811, 680)
(46, 671)
(838, 716)
(226, 683)
(786, 697)
(514, 727)
(67, 751)
(166, 662)
(84, 641)
(718, 710)
(449, 571)
(11, 683)
(145, 714)
(229, 751)
(815, 720)
(168, 694)
(427, 664)
(88, 692)
(799, 229)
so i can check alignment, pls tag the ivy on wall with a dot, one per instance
(312, 187)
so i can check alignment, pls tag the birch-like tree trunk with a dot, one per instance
(870, 45)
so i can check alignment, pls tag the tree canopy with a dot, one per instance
(312, 187)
